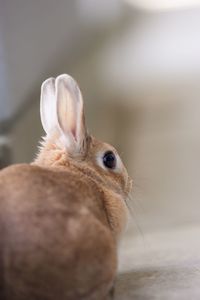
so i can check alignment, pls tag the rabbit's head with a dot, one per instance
(68, 144)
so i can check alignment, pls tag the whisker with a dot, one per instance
(134, 216)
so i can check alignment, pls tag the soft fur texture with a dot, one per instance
(61, 217)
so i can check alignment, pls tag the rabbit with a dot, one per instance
(62, 216)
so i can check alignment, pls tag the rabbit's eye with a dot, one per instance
(109, 160)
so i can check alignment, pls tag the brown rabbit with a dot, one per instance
(61, 216)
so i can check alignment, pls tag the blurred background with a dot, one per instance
(137, 63)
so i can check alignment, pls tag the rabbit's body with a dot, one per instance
(61, 216)
(57, 246)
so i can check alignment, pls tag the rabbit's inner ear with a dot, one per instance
(48, 106)
(70, 112)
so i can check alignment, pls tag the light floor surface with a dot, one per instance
(160, 265)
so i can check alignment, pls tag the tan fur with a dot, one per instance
(60, 221)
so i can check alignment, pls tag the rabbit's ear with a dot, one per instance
(48, 106)
(70, 113)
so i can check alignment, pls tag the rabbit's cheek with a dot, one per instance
(117, 213)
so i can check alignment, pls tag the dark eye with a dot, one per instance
(109, 160)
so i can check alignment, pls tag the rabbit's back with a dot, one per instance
(54, 240)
